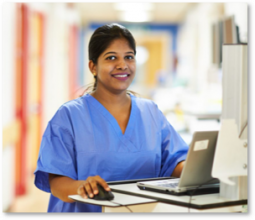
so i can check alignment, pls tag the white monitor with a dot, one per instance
(230, 160)
(235, 85)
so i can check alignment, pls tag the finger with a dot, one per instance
(93, 185)
(81, 192)
(102, 182)
(88, 189)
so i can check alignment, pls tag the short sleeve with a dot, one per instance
(173, 148)
(56, 156)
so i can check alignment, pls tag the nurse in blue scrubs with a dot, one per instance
(108, 134)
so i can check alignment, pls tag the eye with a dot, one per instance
(111, 58)
(130, 57)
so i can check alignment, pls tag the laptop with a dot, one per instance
(196, 171)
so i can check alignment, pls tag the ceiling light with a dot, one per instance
(145, 6)
(135, 16)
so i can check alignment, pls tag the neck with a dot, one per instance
(113, 99)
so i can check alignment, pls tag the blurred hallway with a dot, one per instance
(45, 64)
(34, 201)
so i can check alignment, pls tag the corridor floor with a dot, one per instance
(34, 200)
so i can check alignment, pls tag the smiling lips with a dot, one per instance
(121, 76)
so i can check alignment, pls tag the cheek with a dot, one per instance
(133, 67)
(105, 69)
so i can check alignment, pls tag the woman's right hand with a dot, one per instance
(89, 186)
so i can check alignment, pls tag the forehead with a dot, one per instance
(118, 45)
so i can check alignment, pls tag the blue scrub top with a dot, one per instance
(83, 139)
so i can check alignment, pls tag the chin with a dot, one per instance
(119, 91)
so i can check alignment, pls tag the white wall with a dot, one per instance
(55, 85)
(195, 51)
(56, 74)
(8, 58)
(194, 44)
(195, 39)
(58, 19)
(8, 99)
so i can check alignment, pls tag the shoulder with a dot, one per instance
(70, 109)
(74, 104)
(148, 109)
(143, 103)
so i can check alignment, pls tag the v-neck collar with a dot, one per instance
(112, 120)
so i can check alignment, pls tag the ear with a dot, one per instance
(92, 67)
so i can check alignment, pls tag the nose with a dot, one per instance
(121, 65)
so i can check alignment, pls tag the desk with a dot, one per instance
(172, 203)
(138, 200)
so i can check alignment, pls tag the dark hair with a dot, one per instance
(104, 35)
(102, 38)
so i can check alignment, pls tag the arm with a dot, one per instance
(173, 148)
(62, 186)
(178, 169)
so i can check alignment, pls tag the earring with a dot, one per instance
(94, 74)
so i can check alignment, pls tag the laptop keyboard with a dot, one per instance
(171, 185)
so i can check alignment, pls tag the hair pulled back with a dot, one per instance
(102, 38)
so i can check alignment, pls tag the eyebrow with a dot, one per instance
(129, 52)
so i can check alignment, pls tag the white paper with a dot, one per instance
(201, 145)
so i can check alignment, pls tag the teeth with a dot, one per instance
(120, 75)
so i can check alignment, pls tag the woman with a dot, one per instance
(108, 134)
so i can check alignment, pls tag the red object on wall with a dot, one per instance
(21, 100)
(41, 69)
